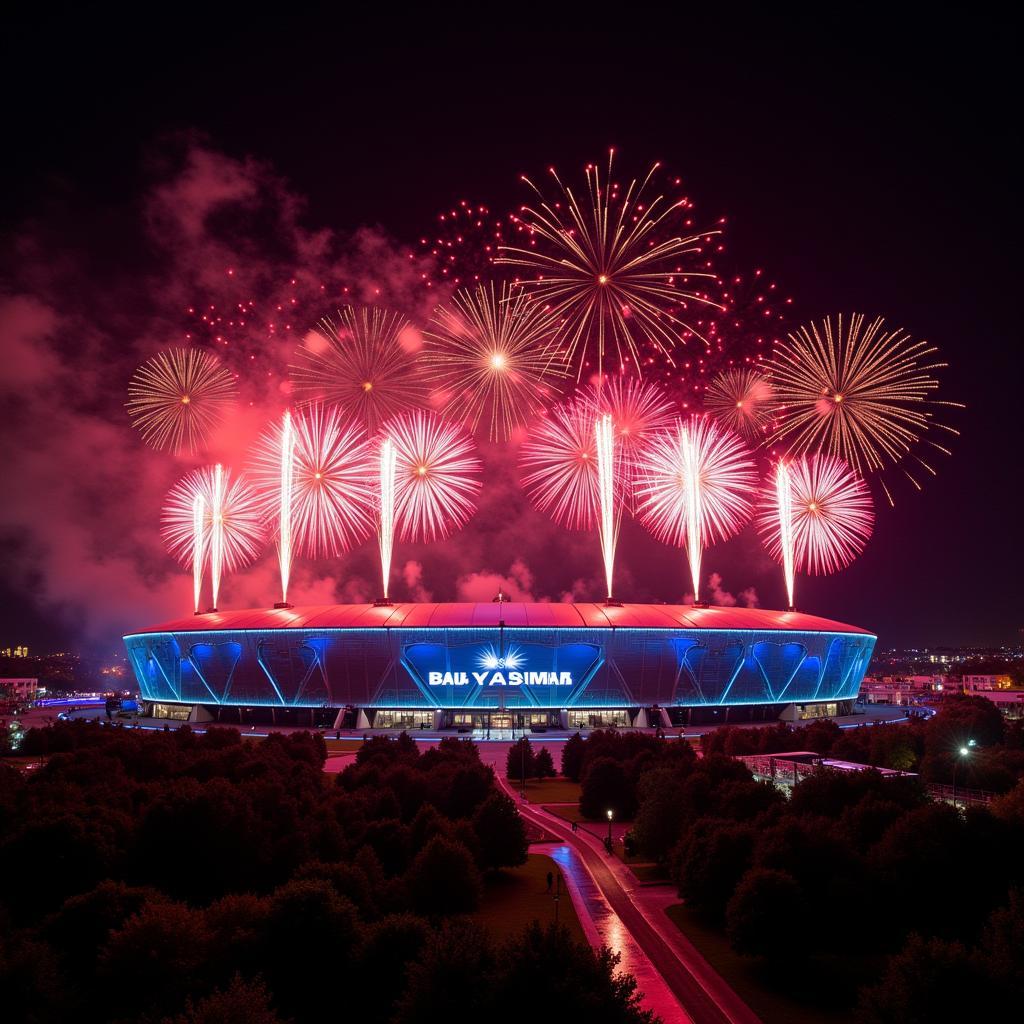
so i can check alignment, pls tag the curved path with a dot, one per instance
(652, 948)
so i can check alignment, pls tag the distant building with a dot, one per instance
(1009, 702)
(985, 684)
(900, 689)
(21, 651)
(18, 691)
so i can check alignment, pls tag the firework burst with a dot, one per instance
(638, 410)
(861, 393)
(436, 474)
(815, 516)
(618, 269)
(330, 477)
(741, 400)
(178, 397)
(488, 357)
(211, 516)
(560, 468)
(364, 361)
(696, 487)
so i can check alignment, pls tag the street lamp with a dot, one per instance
(608, 841)
(961, 753)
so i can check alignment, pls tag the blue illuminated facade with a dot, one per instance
(492, 667)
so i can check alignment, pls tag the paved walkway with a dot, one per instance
(674, 978)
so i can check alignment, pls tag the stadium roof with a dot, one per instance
(511, 614)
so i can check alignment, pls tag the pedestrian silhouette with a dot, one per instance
(551, 880)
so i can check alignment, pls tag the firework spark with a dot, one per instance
(437, 475)
(178, 397)
(462, 246)
(696, 487)
(613, 267)
(331, 469)
(488, 356)
(363, 362)
(559, 466)
(231, 533)
(830, 516)
(741, 400)
(861, 393)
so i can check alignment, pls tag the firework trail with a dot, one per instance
(386, 515)
(741, 400)
(285, 500)
(560, 468)
(861, 393)
(608, 524)
(819, 520)
(198, 549)
(696, 487)
(217, 533)
(230, 534)
(488, 356)
(364, 362)
(437, 475)
(613, 267)
(784, 518)
(178, 397)
(328, 479)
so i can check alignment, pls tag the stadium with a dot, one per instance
(499, 666)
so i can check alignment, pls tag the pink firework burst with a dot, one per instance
(831, 515)
(560, 468)
(212, 519)
(363, 360)
(332, 475)
(696, 487)
(639, 409)
(742, 400)
(437, 475)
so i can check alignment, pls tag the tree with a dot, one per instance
(767, 916)
(606, 786)
(573, 754)
(568, 979)
(928, 980)
(543, 765)
(520, 763)
(242, 1002)
(443, 879)
(709, 862)
(501, 837)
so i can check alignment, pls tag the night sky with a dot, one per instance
(864, 167)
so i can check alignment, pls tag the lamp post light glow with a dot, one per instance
(608, 841)
(961, 754)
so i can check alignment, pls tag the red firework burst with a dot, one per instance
(332, 475)
(437, 475)
(364, 361)
(742, 400)
(831, 515)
